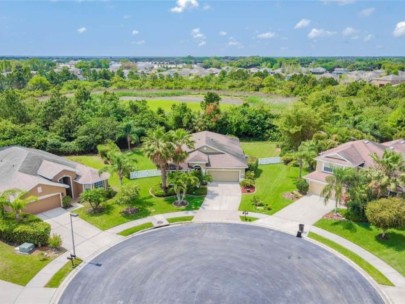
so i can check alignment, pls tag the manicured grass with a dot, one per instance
(180, 219)
(135, 229)
(248, 218)
(260, 149)
(18, 268)
(147, 204)
(273, 182)
(366, 266)
(392, 251)
(62, 273)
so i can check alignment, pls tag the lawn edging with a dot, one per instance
(373, 272)
(135, 229)
(58, 278)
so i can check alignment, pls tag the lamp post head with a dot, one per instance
(73, 215)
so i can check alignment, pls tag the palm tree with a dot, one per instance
(180, 138)
(3, 203)
(17, 200)
(387, 174)
(158, 148)
(305, 156)
(337, 184)
(129, 132)
(120, 164)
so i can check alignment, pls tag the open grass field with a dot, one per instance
(392, 251)
(19, 268)
(366, 266)
(273, 182)
(260, 149)
(166, 104)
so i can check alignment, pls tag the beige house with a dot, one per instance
(354, 154)
(46, 176)
(219, 155)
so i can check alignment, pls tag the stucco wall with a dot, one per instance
(45, 204)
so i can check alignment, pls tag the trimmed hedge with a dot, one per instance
(31, 230)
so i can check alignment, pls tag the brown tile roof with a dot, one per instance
(317, 176)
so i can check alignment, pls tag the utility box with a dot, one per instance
(26, 248)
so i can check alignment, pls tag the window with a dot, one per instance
(99, 184)
(327, 168)
(87, 187)
(39, 189)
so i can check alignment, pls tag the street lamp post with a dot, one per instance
(245, 213)
(73, 236)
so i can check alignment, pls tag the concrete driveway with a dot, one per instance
(218, 263)
(220, 204)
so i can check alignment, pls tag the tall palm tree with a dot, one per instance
(158, 148)
(17, 200)
(120, 164)
(305, 156)
(129, 132)
(387, 174)
(337, 184)
(180, 139)
(3, 203)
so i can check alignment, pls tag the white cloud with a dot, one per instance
(318, 33)
(349, 31)
(367, 12)
(81, 30)
(222, 33)
(198, 36)
(233, 42)
(368, 37)
(182, 5)
(267, 35)
(135, 32)
(340, 2)
(140, 42)
(399, 29)
(302, 23)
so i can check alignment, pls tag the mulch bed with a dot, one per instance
(334, 216)
(248, 190)
(130, 211)
(292, 195)
(180, 204)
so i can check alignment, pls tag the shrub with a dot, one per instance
(66, 201)
(110, 193)
(253, 164)
(94, 197)
(250, 175)
(247, 183)
(386, 213)
(127, 194)
(287, 158)
(32, 230)
(159, 192)
(302, 186)
(55, 241)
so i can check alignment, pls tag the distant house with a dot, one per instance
(46, 176)
(219, 155)
(317, 71)
(390, 79)
(353, 154)
(340, 71)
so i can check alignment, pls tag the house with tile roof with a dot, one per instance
(219, 155)
(47, 176)
(353, 154)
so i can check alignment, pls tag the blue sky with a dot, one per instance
(202, 28)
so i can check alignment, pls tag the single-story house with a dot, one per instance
(46, 176)
(218, 155)
(354, 154)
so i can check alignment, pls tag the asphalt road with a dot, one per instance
(218, 263)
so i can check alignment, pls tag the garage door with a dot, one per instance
(44, 204)
(224, 176)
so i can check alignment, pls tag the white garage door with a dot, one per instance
(224, 176)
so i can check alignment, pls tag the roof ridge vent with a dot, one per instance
(366, 141)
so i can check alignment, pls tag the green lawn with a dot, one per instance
(392, 251)
(260, 148)
(366, 266)
(180, 219)
(62, 273)
(135, 229)
(273, 182)
(19, 268)
(248, 218)
(166, 105)
(148, 206)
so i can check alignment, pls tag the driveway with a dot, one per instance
(220, 204)
(218, 263)
(306, 210)
(88, 239)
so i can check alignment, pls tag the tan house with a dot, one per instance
(219, 155)
(354, 154)
(46, 176)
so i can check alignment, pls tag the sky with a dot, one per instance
(202, 28)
